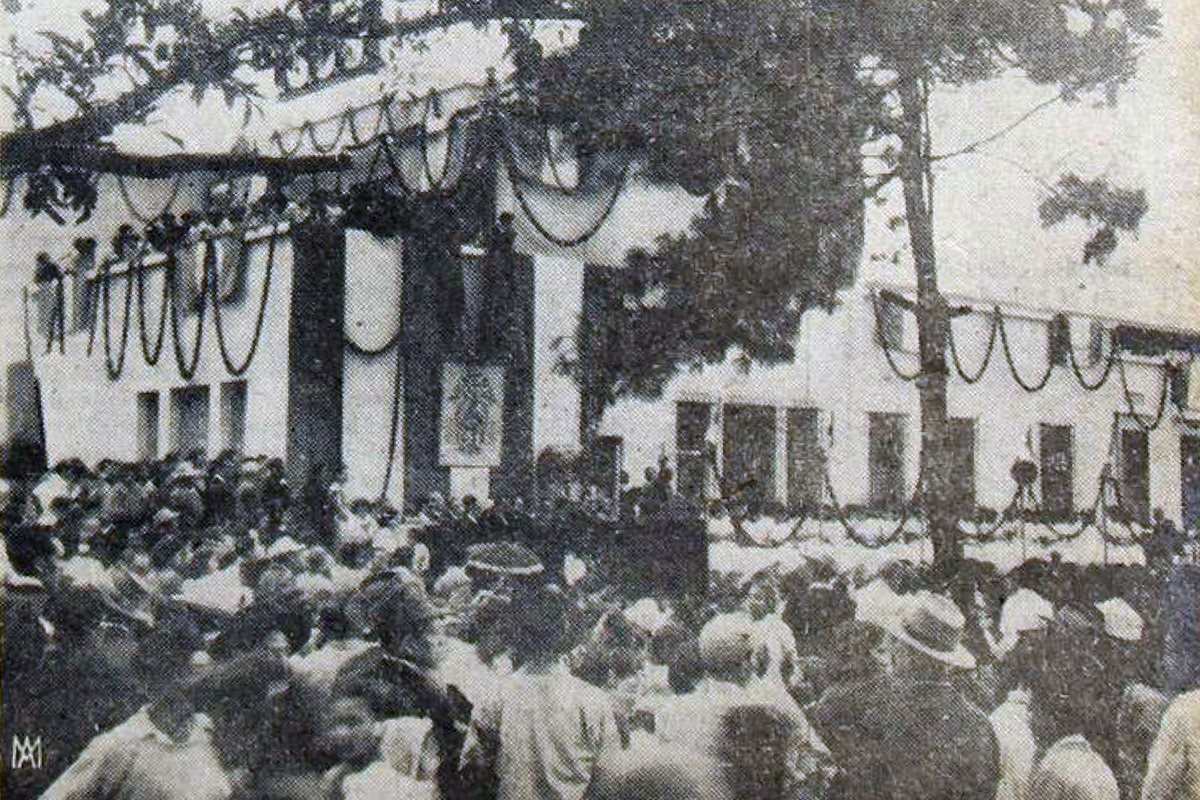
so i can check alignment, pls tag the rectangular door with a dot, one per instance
(1058, 471)
(886, 459)
(190, 423)
(749, 440)
(1189, 452)
(805, 468)
(1135, 474)
(691, 444)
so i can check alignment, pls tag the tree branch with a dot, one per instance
(91, 124)
(1000, 133)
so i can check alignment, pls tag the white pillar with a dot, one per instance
(558, 302)
(781, 454)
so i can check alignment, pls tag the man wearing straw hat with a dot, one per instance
(911, 732)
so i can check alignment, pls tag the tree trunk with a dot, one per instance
(932, 315)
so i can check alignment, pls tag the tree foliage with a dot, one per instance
(768, 106)
(778, 101)
(1107, 207)
(750, 103)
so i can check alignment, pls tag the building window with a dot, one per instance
(749, 442)
(1189, 475)
(691, 443)
(147, 425)
(604, 465)
(961, 436)
(233, 415)
(885, 459)
(1058, 471)
(1180, 387)
(1060, 341)
(890, 324)
(189, 420)
(806, 469)
(1095, 342)
(1135, 475)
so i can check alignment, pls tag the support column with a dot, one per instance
(558, 303)
(315, 329)
(428, 336)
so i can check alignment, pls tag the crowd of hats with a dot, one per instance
(187, 563)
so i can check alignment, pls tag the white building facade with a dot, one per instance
(356, 334)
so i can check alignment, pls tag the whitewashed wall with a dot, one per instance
(374, 273)
(841, 370)
(90, 416)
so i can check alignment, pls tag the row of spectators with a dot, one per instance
(187, 629)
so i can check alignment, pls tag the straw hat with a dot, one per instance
(933, 625)
(284, 546)
(727, 640)
(505, 558)
(1120, 620)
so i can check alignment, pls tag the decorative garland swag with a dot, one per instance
(208, 293)
(998, 330)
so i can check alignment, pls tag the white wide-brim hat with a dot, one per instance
(931, 624)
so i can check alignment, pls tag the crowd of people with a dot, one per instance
(187, 630)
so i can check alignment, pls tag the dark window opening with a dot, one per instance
(147, 425)
(890, 330)
(1058, 471)
(1180, 386)
(749, 441)
(1060, 341)
(691, 443)
(1135, 475)
(885, 459)
(806, 468)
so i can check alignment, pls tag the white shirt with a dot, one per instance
(1072, 770)
(551, 730)
(138, 761)
(1018, 748)
(775, 636)
(1173, 766)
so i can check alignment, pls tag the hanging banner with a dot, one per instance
(472, 412)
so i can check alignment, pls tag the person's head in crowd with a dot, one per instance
(666, 642)
(254, 627)
(75, 614)
(924, 641)
(335, 622)
(453, 583)
(396, 611)
(164, 523)
(686, 669)
(537, 627)
(818, 613)
(165, 651)
(757, 748)
(470, 506)
(1123, 646)
(1069, 687)
(762, 599)
(30, 551)
(727, 648)
(238, 694)
(350, 735)
(659, 773)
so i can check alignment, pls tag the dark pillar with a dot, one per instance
(315, 332)
(513, 477)
(429, 304)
